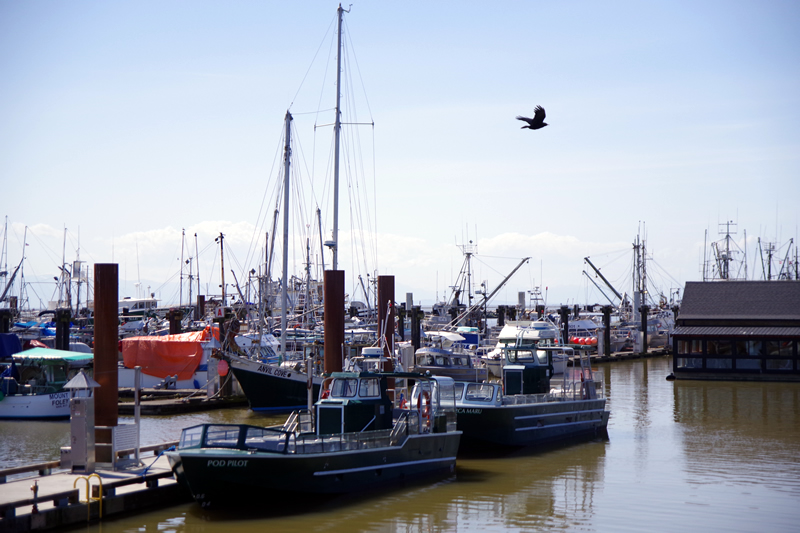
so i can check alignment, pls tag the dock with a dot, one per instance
(622, 356)
(52, 499)
(174, 402)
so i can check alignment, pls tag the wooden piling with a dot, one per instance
(106, 349)
(334, 320)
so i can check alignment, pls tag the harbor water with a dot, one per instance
(681, 456)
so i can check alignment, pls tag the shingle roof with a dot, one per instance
(741, 300)
(735, 331)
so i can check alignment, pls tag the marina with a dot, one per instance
(680, 456)
(267, 375)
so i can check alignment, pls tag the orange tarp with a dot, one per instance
(167, 355)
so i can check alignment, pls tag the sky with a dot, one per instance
(127, 124)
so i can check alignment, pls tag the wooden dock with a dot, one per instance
(62, 499)
(174, 402)
(622, 356)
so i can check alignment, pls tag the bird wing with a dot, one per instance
(539, 115)
(526, 119)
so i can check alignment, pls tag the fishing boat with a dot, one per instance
(361, 435)
(526, 332)
(32, 383)
(445, 356)
(524, 410)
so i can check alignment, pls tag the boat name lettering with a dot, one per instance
(274, 371)
(227, 462)
(464, 411)
(59, 399)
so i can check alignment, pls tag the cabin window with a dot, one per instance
(191, 437)
(440, 360)
(458, 361)
(222, 436)
(424, 360)
(542, 355)
(479, 392)
(370, 388)
(459, 389)
(344, 387)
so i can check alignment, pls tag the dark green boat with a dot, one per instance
(525, 410)
(361, 435)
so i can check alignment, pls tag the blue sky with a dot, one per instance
(127, 121)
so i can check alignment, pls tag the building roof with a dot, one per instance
(736, 331)
(740, 301)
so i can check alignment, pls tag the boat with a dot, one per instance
(445, 356)
(524, 410)
(531, 333)
(181, 359)
(32, 383)
(361, 435)
(283, 385)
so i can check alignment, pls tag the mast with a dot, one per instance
(4, 256)
(197, 255)
(180, 292)
(337, 129)
(222, 267)
(287, 152)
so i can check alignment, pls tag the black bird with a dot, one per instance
(537, 121)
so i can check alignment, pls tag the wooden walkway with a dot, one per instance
(48, 500)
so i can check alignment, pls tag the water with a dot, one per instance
(681, 456)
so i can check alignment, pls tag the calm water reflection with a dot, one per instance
(682, 456)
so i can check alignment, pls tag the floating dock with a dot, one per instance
(51, 499)
(175, 402)
(622, 356)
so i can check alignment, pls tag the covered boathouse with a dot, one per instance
(738, 330)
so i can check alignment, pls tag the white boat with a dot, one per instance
(32, 384)
(532, 333)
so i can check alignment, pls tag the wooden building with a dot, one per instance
(738, 330)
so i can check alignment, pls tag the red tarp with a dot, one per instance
(167, 355)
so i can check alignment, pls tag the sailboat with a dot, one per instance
(276, 386)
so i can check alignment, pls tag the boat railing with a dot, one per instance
(308, 444)
(299, 421)
(573, 390)
(400, 430)
(522, 399)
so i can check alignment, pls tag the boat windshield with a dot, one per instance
(480, 392)
(369, 388)
(344, 387)
(526, 355)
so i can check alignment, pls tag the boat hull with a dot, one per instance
(272, 388)
(218, 477)
(531, 424)
(52, 406)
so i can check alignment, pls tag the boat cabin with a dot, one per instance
(354, 402)
(43, 371)
(527, 370)
(137, 306)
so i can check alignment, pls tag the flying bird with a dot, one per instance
(537, 121)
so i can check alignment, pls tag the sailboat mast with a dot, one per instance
(222, 268)
(337, 129)
(287, 152)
